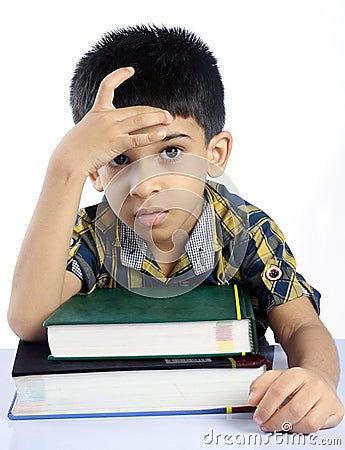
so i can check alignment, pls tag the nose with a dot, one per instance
(144, 181)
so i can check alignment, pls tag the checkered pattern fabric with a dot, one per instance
(232, 241)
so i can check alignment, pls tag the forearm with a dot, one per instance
(305, 339)
(39, 274)
(40, 281)
(309, 384)
(312, 347)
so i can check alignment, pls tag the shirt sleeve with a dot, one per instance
(83, 258)
(269, 268)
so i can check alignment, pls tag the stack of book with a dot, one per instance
(117, 352)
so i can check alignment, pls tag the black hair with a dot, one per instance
(174, 70)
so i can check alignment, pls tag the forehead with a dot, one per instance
(183, 127)
(189, 125)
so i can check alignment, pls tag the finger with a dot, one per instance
(259, 387)
(287, 384)
(285, 417)
(130, 111)
(140, 122)
(319, 417)
(130, 141)
(105, 94)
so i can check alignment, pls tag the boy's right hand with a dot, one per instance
(106, 132)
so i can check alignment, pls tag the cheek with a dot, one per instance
(185, 195)
(126, 212)
(183, 192)
(190, 183)
(116, 190)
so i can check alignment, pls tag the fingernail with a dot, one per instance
(168, 115)
(130, 69)
(257, 420)
(160, 133)
(264, 429)
(251, 395)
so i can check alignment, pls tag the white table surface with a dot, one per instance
(214, 431)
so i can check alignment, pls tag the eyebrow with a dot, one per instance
(174, 136)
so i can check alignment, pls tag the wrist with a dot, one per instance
(61, 165)
(331, 379)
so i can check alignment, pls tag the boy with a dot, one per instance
(152, 162)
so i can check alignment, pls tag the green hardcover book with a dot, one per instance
(154, 322)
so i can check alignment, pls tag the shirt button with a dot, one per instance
(274, 273)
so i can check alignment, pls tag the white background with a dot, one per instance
(283, 69)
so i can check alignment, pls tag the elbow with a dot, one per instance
(24, 328)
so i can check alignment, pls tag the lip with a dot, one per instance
(144, 211)
(150, 216)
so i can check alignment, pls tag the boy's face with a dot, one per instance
(158, 189)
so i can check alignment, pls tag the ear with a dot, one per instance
(218, 151)
(96, 181)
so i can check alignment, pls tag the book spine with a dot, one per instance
(237, 303)
(240, 409)
(238, 307)
(225, 410)
(243, 298)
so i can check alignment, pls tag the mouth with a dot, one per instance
(150, 217)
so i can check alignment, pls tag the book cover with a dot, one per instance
(120, 305)
(99, 388)
(202, 313)
(32, 359)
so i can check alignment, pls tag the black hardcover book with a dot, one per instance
(119, 387)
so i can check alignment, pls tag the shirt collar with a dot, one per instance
(199, 248)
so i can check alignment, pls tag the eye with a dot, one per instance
(119, 160)
(171, 153)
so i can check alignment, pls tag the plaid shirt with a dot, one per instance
(232, 241)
